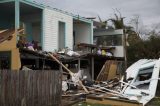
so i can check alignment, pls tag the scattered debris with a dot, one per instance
(74, 76)
(142, 77)
(145, 78)
(140, 88)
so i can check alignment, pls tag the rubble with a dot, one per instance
(145, 78)
(140, 88)
(141, 78)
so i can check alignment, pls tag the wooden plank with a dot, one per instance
(113, 102)
(69, 71)
(112, 71)
(108, 71)
(99, 75)
(92, 67)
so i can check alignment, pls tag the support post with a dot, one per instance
(125, 53)
(61, 69)
(92, 67)
(17, 14)
(37, 63)
(79, 64)
(17, 17)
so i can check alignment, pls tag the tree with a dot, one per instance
(103, 24)
(144, 48)
(118, 20)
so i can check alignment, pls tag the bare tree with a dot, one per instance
(118, 20)
(103, 24)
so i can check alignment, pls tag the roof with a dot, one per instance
(42, 6)
(101, 32)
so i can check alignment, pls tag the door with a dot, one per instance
(61, 35)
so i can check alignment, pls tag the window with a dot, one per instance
(142, 80)
(5, 60)
(108, 40)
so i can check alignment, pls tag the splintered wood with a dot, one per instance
(69, 71)
(108, 71)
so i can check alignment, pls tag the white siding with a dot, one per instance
(50, 27)
(119, 51)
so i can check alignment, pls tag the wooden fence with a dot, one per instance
(30, 88)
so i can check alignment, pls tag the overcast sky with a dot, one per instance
(148, 10)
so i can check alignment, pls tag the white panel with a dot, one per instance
(108, 32)
(51, 20)
(82, 33)
(119, 51)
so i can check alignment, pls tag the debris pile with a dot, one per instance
(142, 80)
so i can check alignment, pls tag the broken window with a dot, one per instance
(143, 79)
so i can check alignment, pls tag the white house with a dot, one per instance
(51, 27)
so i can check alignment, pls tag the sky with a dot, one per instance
(147, 10)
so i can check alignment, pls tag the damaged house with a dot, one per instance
(51, 28)
(94, 72)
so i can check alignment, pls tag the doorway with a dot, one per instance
(61, 34)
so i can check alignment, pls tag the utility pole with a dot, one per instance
(125, 51)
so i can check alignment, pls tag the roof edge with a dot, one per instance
(58, 10)
(6, 1)
(42, 6)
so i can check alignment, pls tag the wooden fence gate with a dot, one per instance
(30, 88)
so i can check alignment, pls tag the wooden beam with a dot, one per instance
(69, 71)
(92, 63)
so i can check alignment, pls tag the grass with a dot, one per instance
(88, 104)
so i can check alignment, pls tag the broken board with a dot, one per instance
(111, 101)
(108, 71)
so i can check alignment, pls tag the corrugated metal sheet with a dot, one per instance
(50, 27)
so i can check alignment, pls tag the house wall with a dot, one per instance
(82, 33)
(51, 19)
(33, 32)
(108, 32)
(6, 22)
(36, 33)
(119, 50)
(33, 28)
(10, 45)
